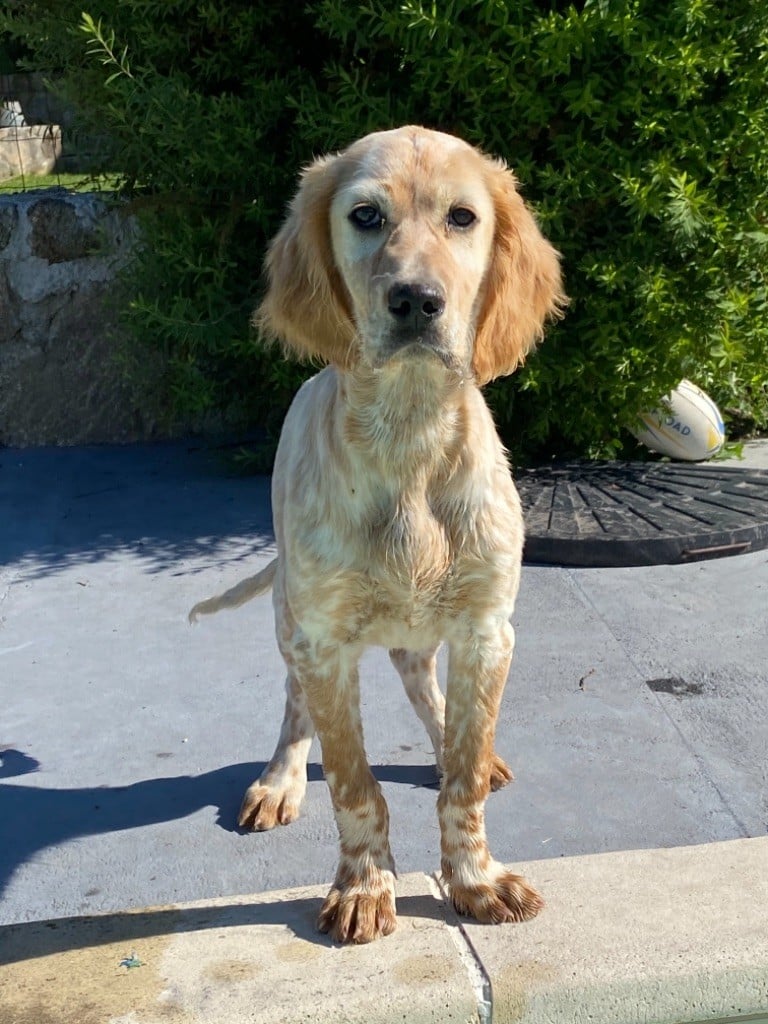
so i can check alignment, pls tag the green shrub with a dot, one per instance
(637, 127)
(12, 50)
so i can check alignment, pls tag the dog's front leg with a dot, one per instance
(361, 904)
(480, 887)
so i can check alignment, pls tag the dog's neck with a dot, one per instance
(409, 419)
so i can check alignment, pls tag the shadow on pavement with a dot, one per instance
(35, 939)
(36, 817)
(162, 504)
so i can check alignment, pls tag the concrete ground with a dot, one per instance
(636, 715)
(635, 718)
(625, 938)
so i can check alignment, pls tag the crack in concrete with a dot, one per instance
(478, 977)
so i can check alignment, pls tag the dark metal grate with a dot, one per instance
(618, 513)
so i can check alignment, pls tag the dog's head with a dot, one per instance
(411, 244)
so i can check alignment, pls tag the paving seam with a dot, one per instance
(699, 761)
(478, 977)
(7, 579)
(702, 767)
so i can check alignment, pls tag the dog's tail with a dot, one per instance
(243, 591)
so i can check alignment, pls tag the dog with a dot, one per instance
(411, 266)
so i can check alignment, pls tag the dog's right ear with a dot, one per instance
(307, 307)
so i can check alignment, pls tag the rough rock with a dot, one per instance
(62, 371)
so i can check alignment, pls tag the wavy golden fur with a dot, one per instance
(410, 264)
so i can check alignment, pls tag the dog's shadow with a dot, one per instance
(35, 817)
(34, 939)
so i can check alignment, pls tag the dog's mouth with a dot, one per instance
(424, 347)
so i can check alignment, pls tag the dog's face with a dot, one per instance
(412, 225)
(411, 244)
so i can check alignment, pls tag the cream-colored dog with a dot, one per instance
(410, 264)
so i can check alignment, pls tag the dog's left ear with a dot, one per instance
(523, 287)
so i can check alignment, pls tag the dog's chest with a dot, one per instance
(403, 583)
(405, 554)
(404, 543)
(385, 576)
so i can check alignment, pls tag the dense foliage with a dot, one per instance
(638, 129)
(12, 51)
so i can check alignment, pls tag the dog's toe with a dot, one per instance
(507, 897)
(357, 917)
(501, 773)
(266, 806)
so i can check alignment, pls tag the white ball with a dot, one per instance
(688, 426)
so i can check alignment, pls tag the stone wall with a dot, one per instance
(62, 365)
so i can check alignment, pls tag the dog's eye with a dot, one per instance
(366, 217)
(461, 217)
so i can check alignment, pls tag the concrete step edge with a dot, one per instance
(674, 935)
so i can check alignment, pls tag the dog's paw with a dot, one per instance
(504, 897)
(266, 805)
(501, 773)
(360, 911)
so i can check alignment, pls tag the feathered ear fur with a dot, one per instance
(306, 306)
(522, 286)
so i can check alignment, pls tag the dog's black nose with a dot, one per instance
(415, 305)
